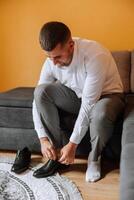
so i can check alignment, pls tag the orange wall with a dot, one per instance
(110, 22)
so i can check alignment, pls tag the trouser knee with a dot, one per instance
(42, 92)
(99, 120)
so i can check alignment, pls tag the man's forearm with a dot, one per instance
(43, 139)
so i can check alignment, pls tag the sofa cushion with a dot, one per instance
(18, 97)
(16, 117)
(15, 108)
(123, 61)
(132, 72)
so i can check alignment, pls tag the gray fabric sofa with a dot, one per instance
(17, 129)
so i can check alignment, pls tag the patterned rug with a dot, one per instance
(27, 187)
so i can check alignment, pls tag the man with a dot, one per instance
(79, 76)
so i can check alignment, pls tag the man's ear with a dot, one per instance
(71, 43)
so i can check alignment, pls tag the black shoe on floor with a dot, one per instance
(22, 161)
(50, 167)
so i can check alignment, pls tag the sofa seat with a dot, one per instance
(16, 123)
(15, 108)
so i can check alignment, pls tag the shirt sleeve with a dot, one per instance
(47, 77)
(96, 71)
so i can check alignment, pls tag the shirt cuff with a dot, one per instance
(75, 139)
(78, 134)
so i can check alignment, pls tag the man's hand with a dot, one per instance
(68, 153)
(47, 149)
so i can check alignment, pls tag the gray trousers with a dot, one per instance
(50, 97)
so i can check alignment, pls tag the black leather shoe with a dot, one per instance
(50, 167)
(22, 161)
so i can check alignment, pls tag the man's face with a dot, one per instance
(62, 55)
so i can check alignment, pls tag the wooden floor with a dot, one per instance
(105, 189)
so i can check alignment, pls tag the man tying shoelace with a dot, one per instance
(23, 159)
(80, 77)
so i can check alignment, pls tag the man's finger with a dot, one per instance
(49, 154)
(65, 162)
(53, 154)
(62, 159)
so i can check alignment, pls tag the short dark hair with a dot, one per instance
(53, 33)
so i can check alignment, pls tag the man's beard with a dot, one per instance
(62, 65)
(66, 64)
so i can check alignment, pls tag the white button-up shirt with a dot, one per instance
(92, 73)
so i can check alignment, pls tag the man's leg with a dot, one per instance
(103, 117)
(50, 97)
